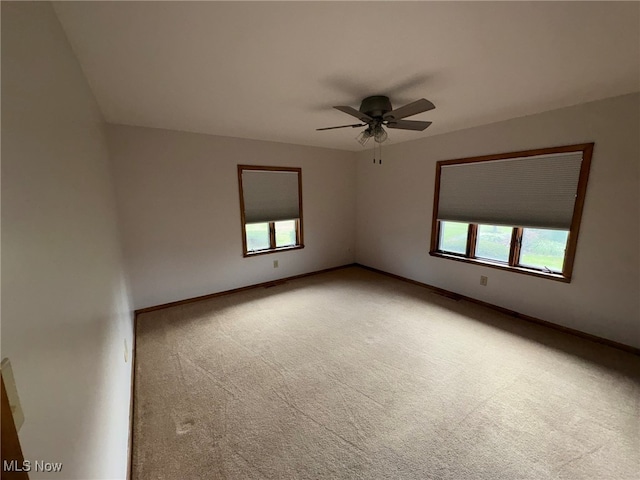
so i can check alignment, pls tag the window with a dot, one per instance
(270, 208)
(517, 211)
(453, 237)
(493, 242)
(543, 249)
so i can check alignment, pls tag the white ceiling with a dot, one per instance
(273, 70)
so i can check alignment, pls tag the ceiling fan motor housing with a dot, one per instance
(376, 106)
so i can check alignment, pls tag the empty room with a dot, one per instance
(320, 240)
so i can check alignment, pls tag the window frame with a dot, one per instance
(516, 236)
(272, 230)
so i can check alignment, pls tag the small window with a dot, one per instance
(270, 208)
(257, 236)
(286, 233)
(493, 243)
(518, 211)
(543, 249)
(453, 237)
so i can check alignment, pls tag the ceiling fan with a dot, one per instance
(376, 111)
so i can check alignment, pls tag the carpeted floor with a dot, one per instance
(354, 375)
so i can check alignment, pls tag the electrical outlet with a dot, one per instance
(483, 280)
(275, 264)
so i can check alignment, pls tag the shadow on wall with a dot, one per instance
(74, 384)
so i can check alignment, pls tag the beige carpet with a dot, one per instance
(354, 375)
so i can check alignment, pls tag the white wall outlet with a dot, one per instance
(126, 351)
(275, 264)
(483, 280)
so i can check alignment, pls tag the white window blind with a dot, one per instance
(270, 196)
(537, 192)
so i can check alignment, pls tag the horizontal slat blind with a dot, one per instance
(537, 192)
(270, 196)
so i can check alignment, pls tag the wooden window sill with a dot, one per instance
(487, 263)
(272, 250)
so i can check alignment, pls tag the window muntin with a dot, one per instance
(270, 208)
(545, 243)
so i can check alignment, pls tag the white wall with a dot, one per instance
(180, 211)
(395, 201)
(65, 305)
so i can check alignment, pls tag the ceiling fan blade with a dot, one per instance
(342, 126)
(363, 117)
(408, 124)
(413, 108)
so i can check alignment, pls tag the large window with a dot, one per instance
(519, 211)
(270, 208)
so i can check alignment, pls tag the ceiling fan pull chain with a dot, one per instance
(380, 153)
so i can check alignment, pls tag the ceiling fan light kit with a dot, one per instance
(376, 112)
(364, 136)
(378, 133)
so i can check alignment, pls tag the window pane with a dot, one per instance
(257, 236)
(285, 233)
(543, 249)
(453, 237)
(494, 242)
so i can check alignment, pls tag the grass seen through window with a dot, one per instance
(257, 236)
(494, 242)
(543, 248)
(535, 248)
(453, 237)
(285, 233)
